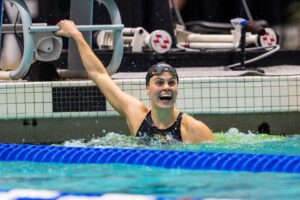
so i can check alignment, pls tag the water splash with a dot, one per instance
(116, 140)
(230, 141)
(234, 136)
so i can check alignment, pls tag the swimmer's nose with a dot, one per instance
(166, 86)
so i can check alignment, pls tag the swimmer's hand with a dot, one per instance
(68, 29)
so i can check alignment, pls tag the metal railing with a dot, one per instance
(29, 31)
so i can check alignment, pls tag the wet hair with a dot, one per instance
(159, 68)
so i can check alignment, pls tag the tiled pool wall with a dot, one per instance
(211, 95)
(53, 112)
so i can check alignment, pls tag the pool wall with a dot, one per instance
(76, 109)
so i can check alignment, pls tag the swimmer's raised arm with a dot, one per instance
(93, 65)
(122, 102)
(163, 117)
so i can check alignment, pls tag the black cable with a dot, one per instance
(177, 13)
(19, 38)
(247, 10)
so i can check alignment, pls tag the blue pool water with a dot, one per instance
(145, 180)
(232, 141)
(120, 178)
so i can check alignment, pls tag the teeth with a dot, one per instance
(166, 95)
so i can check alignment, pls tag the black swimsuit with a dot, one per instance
(148, 129)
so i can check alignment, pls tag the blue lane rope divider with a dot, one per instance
(190, 160)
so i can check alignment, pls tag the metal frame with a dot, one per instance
(29, 30)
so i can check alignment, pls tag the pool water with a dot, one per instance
(121, 178)
(231, 141)
(150, 181)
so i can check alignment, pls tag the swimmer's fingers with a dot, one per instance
(67, 28)
(60, 32)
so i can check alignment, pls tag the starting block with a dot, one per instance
(138, 39)
(40, 44)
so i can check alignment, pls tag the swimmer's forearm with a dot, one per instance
(99, 75)
(91, 62)
(96, 70)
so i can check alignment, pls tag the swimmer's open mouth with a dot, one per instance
(166, 97)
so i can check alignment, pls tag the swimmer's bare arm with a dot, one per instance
(194, 131)
(122, 102)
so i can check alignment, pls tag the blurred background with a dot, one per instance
(281, 15)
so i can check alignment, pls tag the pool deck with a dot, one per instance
(192, 72)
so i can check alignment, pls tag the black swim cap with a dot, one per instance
(159, 68)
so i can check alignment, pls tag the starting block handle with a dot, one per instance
(40, 29)
(115, 18)
(28, 31)
(24, 66)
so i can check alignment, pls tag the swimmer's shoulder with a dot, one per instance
(194, 130)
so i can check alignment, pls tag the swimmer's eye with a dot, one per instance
(172, 82)
(159, 82)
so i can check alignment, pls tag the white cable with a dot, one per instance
(218, 50)
(187, 49)
(256, 48)
(276, 48)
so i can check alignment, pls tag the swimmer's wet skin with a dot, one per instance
(161, 85)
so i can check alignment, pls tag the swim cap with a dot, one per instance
(159, 68)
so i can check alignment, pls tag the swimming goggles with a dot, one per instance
(159, 68)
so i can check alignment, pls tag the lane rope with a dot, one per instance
(190, 160)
